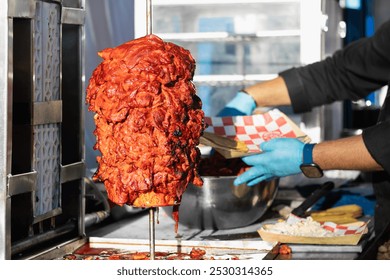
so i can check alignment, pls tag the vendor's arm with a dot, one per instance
(282, 157)
(345, 154)
(271, 93)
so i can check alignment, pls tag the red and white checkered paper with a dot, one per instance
(252, 130)
(344, 230)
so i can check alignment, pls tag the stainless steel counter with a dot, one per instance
(137, 228)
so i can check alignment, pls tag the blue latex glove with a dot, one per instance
(280, 157)
(241, 105)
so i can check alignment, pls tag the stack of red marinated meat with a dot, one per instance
(148, 122)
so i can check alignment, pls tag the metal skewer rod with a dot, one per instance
(152, 210)
(149, 17)
(152, 231)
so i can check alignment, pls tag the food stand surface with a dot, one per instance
(135, 226)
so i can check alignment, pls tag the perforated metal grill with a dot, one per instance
(47, 88)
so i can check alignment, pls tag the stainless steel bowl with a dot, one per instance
(218, 204)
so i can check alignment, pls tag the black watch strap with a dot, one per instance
(308, 167)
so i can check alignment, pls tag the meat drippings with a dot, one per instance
(148, 122)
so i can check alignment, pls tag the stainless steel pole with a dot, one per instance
(152, 210)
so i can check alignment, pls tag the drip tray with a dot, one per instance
(135, 249)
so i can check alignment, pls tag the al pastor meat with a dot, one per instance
(148, 122)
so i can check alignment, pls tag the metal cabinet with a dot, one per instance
(41, 119)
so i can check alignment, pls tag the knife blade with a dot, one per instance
(273, 253)
(232, 236)
(300, 211)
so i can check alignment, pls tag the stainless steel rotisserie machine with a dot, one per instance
(41, 122)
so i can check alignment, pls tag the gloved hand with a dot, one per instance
(241, 105)
(280, 157)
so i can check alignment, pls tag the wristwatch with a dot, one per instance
(308, 167)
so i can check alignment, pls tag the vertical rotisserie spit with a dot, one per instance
(148, 122)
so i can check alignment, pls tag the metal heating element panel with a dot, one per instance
(42, 148)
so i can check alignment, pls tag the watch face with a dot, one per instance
(312, 170)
